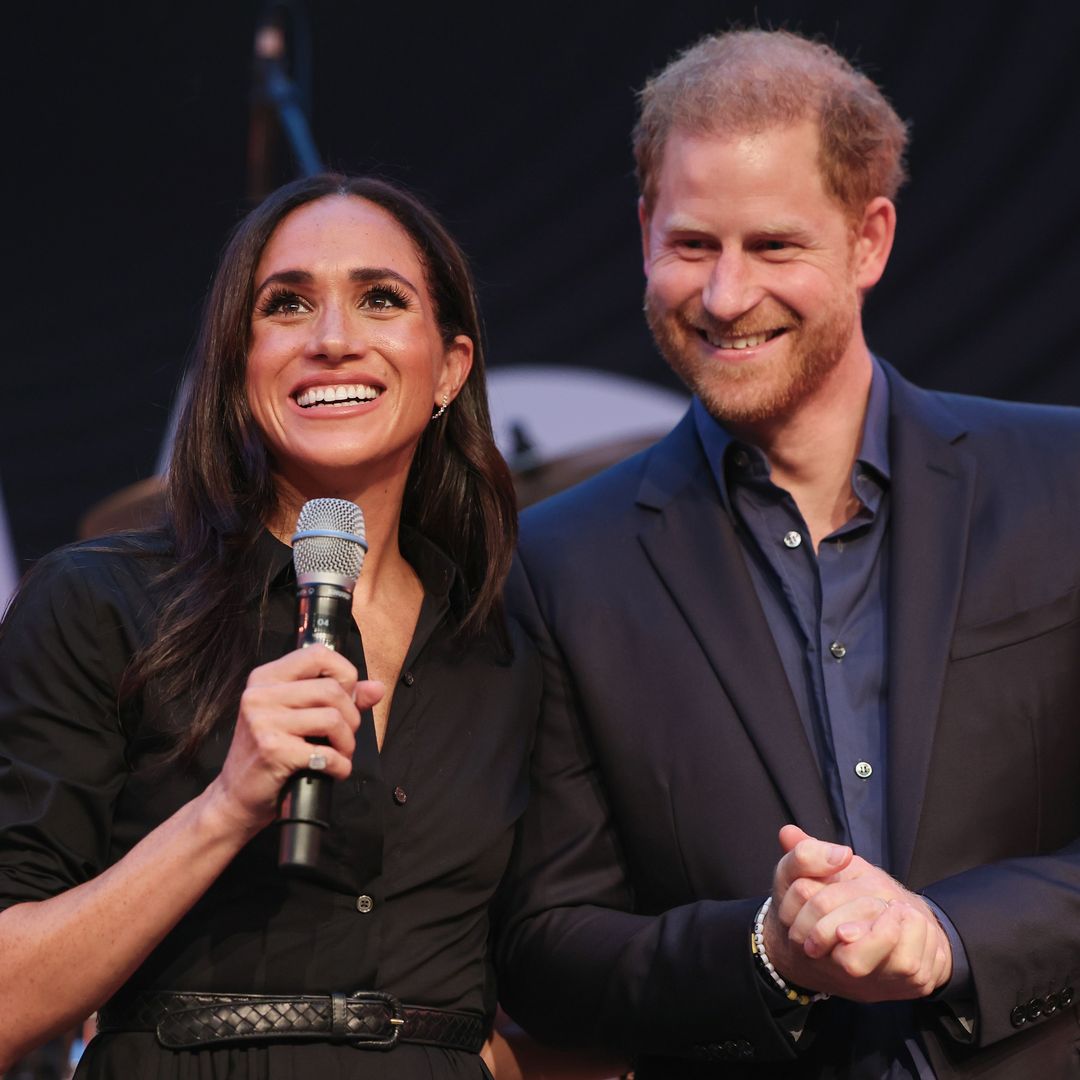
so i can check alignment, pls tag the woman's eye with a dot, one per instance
(283, 303)
(384, 298)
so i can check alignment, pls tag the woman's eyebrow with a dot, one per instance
(361, 276)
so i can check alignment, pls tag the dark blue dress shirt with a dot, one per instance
(826, 612)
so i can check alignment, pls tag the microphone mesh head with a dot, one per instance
(329, 554)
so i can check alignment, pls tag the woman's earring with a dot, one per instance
(442, 408)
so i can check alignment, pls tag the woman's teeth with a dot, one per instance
(336, 395)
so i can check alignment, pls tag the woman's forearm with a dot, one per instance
(65, 956)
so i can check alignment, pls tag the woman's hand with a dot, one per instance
(107, 926)
(312, 693)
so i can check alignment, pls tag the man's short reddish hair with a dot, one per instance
(750, 80)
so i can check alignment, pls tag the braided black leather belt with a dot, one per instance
(368, 1019)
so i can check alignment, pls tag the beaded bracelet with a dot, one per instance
(757, 947)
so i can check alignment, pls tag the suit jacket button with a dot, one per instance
(1034, 1008)
(1018, 1017)
(1066, 996)
(1051, 1005)
(744, 1050)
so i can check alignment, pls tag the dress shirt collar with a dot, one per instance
(720, 445)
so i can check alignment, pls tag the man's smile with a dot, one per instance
(739, 341)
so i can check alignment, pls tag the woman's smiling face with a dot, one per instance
(346, 360)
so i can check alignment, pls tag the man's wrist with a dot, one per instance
(794, 994)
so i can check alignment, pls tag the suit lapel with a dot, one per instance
(932, 488)
(692, 545)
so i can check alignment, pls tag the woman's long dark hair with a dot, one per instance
(220, 488)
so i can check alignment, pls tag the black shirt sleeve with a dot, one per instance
(63, 648)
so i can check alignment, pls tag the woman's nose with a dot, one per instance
(335, 335)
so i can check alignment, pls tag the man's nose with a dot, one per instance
(732, 288)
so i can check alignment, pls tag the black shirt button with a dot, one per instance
(400, 796)
(1018, 1017)
(408, 678)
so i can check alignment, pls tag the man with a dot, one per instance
(828, 613)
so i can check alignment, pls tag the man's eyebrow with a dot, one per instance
(783, 228)
(681, 223)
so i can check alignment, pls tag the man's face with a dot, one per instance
(754, 272)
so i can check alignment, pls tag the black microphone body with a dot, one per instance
(323, 616)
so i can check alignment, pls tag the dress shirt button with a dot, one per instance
(364, 904)
(1018, 1017)
(400, 796)
(864, 770)
(792, 539)
(408, 678)
(838, 649)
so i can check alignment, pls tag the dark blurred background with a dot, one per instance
(127, 141)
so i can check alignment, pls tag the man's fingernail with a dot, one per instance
(835, 855)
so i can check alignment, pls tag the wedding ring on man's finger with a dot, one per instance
(317, 761)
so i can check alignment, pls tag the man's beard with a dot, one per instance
(753, 391)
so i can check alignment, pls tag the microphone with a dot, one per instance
(328, 552)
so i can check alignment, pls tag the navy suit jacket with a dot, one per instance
(670, 750)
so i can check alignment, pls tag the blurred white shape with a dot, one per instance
(541, 412)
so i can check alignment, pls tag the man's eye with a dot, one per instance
(692, 246)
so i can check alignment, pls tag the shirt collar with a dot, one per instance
(438, 573)
(718, 443)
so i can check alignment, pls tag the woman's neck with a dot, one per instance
(384, 565)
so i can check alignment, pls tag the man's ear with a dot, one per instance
(873, 241)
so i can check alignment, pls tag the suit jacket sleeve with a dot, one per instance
(577, 963)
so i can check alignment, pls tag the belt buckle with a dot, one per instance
(395, 1018)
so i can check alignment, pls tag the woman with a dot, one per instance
(152, 705)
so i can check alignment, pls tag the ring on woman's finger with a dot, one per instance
(317, 761)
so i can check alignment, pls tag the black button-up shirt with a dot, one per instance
(410, 879)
